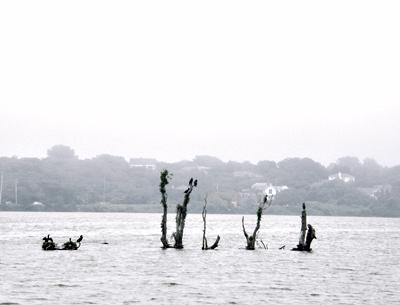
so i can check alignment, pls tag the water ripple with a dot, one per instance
(133, 269)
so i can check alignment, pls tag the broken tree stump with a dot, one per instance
(305, 242)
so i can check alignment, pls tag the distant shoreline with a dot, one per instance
(172, 213)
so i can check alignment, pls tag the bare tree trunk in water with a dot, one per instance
(204, 215)
(164, 176)
(251, 240)
(181, 212)
(303, 228)
(305, 242)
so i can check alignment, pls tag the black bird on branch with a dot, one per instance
(191, 181)
(79, 239)
(195, 183)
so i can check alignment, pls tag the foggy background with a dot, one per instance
(172, 80)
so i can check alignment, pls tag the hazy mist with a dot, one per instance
(171, 80)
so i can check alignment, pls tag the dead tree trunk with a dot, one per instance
(204, 215)
(251, 240)
(181, 212)
(303, 228)
(305, 242)
(164, 176)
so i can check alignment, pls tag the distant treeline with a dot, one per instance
(63, 182)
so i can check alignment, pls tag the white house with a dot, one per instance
(268, 188)
(147, 163)
(343, 177)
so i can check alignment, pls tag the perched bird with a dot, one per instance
(47, 238)
(195, 183)
(190, 181)
(79, 239)
(304, 205)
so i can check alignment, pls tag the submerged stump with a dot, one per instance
(50, 245)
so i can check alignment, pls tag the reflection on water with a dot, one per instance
(355, 261)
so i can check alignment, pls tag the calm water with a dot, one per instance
(355, 261)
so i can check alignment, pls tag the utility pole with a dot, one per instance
(1, 187)
(104, 189)
(16, 191)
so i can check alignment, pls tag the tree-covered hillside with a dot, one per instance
(63, 182)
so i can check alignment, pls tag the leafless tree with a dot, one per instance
(181, 212)
(251, 239)
(205, 244)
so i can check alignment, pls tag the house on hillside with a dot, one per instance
(342, 177)
(268, 188)
(198, 168)
(377, 191)
(147, 163)
(246, 174)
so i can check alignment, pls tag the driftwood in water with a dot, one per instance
(49, 244)
(205, 244)
(181, 212)
(70, 245)
(251, 239)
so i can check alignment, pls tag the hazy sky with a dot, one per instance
(239, 80)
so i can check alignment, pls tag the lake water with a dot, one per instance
(355, 261)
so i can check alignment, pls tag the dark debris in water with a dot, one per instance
(171, 284)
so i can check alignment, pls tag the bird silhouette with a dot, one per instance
(47, 238)
(195, 182)
(304, 205)
(79, 239)
(190, 181)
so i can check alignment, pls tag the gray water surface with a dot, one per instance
(355, 261)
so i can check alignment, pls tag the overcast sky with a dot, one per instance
(239, 80)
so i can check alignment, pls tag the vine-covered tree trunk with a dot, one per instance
(164, 176)
(181, 212)
(251, 239)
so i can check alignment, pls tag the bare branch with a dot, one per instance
(204, 215)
